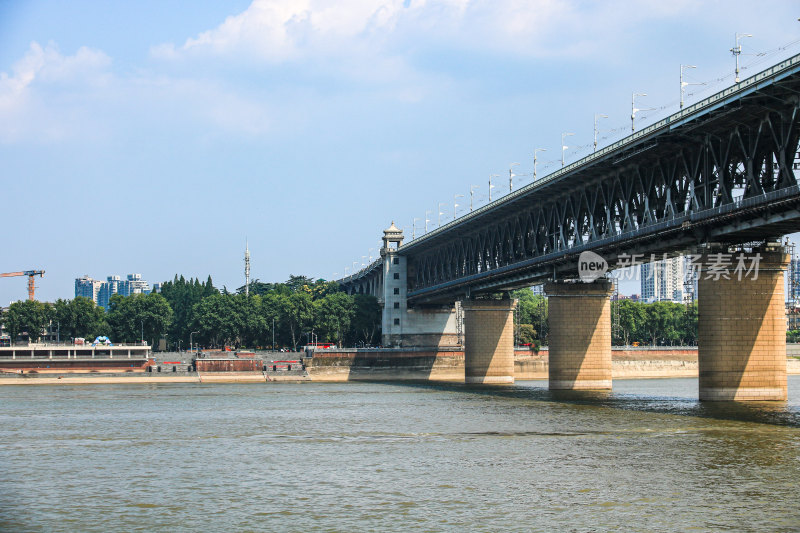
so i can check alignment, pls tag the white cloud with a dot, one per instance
(277, 30)
(42, 68)
(284, 30)
(48, 65)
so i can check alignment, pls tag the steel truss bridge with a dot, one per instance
(720, 171)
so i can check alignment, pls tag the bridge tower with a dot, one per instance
(420, 326)
(394, 287)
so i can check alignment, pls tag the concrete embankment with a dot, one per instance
(387, 364)
(399, 365)
(448, 365)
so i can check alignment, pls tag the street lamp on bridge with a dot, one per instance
(564, 146)
(427, 213)
(737, 50)
(472, 195)
(535, 151)
(455, 203)
(685, 83)
(414, 228)
(634, 109)
(511, 176)
(439, 220)
(490, 184)
(595, 128)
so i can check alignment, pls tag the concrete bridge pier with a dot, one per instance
(488, 341)
(580, 335)
(742, 326)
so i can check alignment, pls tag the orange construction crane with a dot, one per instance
(30, 274)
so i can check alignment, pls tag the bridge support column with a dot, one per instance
(488, 341)
(741, 333)
(580, 335)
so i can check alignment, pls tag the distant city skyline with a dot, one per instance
(158, 137)
(101, 291)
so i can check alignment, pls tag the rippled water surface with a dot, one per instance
(360, 456)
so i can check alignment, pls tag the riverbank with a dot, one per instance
(209, 377)
(390, 365)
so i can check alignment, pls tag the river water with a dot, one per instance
(374, 456)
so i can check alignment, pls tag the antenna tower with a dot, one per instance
(246, 269)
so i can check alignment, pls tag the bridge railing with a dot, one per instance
(676, 119)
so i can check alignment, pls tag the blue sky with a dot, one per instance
(155, 137)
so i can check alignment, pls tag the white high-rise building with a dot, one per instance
(101, 291)
(88, 287)
(663, 280)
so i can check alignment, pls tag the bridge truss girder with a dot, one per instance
(727, 177)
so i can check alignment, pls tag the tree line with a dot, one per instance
(655, 324)
(298, 311)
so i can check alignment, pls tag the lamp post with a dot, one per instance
(737, 50)
(142, 321)
(414, 229)
(427, 213)
(634, 109)
(472, 195)
(439, 220)
(490, 184)
(191, 344)
(683, 83)
(273, 334)
(455, 203)
(564, 146)
(535, 151)
(511, 176)
(595, 128)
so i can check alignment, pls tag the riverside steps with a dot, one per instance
(489, 341)
(580, 335)
(742, 327)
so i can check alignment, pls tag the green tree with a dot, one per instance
(526, 334)
(297, 312)
(219, 320)
(333, 315)
(27, 316)
(366, 319)
(79, 317)
(182, 296)
(130, 317)
(631, 320)
(271, 313)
